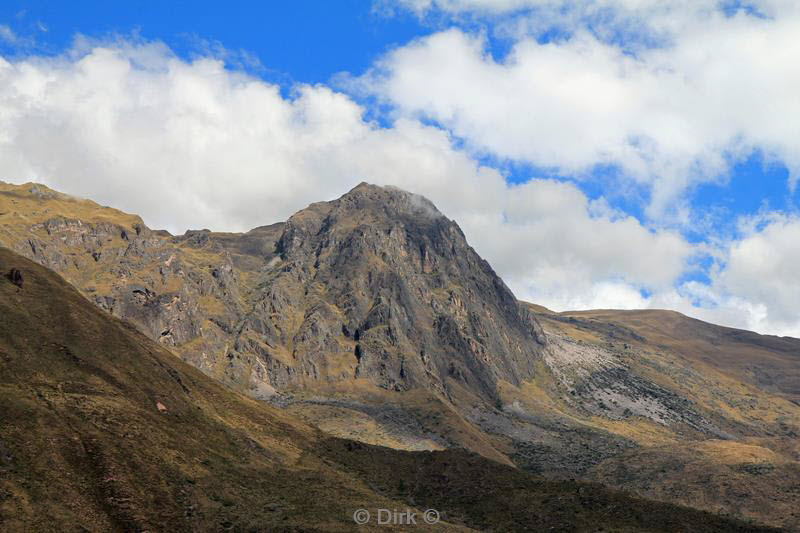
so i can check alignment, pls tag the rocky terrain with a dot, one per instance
(371, 318)
(105, 430)
(376, 286)
(741, 456)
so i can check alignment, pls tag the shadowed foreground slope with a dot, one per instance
(104, 430)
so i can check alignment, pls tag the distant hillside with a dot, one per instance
(614, 368)
(764, 361)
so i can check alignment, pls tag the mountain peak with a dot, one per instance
(393, 200)
(372, 208)
(32, 189)
(392, 294)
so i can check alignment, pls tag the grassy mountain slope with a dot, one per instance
(85, 443)
(765, 361)
(104, 430)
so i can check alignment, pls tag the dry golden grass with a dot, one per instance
(732, 452)
(31, 203)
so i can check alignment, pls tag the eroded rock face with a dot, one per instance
(377, 286)
(183, 292)
(598, 381)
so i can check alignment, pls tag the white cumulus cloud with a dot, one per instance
(190, 144)
(713, 88)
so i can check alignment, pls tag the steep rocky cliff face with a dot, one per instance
(375, 287)
(380, 286)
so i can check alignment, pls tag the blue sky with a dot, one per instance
(306, 41)
(667, 146)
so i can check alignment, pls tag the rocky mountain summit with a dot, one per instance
(380, 286)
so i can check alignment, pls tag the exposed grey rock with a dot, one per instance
(387, 266)
(376, 287)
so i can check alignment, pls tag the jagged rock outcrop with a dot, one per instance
(378, 285)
